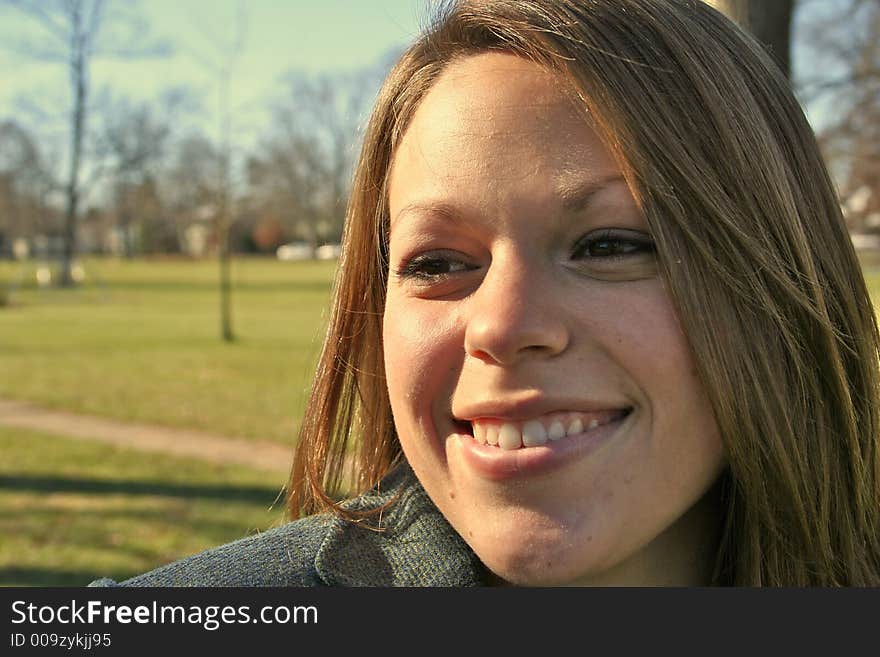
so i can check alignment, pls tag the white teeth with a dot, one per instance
(509, 437)
(533, 433)
(512, 435)
(556, 431)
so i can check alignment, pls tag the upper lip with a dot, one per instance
(524, 409)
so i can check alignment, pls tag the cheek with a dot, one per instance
(423, 353)
(653, 349)
(651, 343)
(685, 435)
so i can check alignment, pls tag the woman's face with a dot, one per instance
(541, 386)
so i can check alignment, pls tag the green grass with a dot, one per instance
(139, 340)
(873, 280)
(72, 511)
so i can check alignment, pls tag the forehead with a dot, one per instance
(492, 120)
(500, 83)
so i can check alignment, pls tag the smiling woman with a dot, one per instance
(597, 321)
(546, 314)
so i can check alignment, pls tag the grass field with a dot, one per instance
(72, 511)
(140, 341)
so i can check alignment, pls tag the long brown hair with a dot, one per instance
(751, 246)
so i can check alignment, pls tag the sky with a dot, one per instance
(278, 35)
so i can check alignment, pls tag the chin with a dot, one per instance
(543, 555)
(544, 567)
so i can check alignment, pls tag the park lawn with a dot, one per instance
(872, 277)
(72, 511)
(139, 341)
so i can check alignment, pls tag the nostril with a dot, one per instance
(479, 354)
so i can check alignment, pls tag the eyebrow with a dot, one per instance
(445, 210)
(575, 197)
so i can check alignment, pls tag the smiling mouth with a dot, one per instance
(511, 435)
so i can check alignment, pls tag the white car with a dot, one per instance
(294, 251)
(328, 251)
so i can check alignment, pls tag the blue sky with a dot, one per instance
(310, 35)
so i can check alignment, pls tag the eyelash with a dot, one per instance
(632, 243)
(417, 268)
(626, 244)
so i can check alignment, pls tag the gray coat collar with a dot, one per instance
(415, 547)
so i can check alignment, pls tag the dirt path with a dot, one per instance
(178, 442)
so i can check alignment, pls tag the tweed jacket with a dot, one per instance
(417, 547)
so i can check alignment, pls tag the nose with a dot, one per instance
(513, 314)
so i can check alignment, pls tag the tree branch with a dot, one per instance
(37, 11)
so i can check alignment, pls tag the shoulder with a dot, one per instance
(413, 546)
(283, 556)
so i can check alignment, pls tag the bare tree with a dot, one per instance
(768, 20)
(227, 49)
(133, 142)
(26, 183)
(307, 158)
(838, 81)
(190, 181)
(841, 38)
(79, 31)
(289, 173)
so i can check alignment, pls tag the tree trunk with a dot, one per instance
(78, 74)
(768, 20)
(225, 282)
(226, 332)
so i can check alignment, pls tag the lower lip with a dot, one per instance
(497, 464)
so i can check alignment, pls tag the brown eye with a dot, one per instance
(612, 244)
(433, 266)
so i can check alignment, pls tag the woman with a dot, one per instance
(597, 321)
